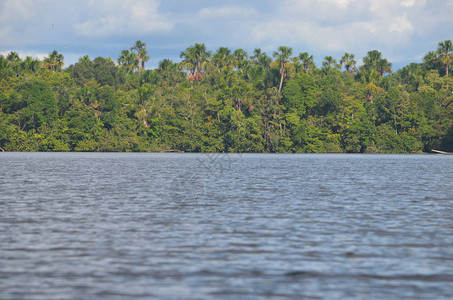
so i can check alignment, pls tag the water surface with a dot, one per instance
(198, 226)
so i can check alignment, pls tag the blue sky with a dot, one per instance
(403, 30)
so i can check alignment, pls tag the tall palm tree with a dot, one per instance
(307, 60)
(371, 78)
(304, 61)
(128, 61)
(54, 61)
(222, 58)
(370, 61)
(282, 57)
(30, 64)
(241, 58)
(168, 70)
(329, 63)
(349, 62)
(142, 53)
(444, 51)
(194, 59)
(260, 58)
(122, 58)
(383, 66)
(14, 62)
(430, 60)
(374, 61)
(13, 57)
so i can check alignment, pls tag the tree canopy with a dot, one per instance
(227, 101)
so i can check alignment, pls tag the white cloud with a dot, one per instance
(342, 25)
(338, 3)
(226, 12)
(13, 13)
(401, 25)
(403, 29)
(123, 17)
(16, 9)
(24, 54)
(408, 3)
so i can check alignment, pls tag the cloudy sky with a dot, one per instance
(403, 30)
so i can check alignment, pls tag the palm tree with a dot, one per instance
(222, 59)
(444, 51)
(307, 61)
(127, 60)
(241, 58)
(168, 70)
(84, 59)
(348, 60)
(383, 66)
(194, 59)
(329, 63)
(14, 61)
(123, 56)
(13, 57)
(5, 67)
(260, 58)
(374, 61)
(282, 59)
(30, 64)
(370, 61)
(371, 78)
(142, 53)
(54, 61)
(3, 62)
(430, 60)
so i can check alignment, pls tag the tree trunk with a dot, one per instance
(282, 71)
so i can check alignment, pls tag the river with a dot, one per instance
(225, 226)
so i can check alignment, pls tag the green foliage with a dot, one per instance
(300, 94)
(227, 102)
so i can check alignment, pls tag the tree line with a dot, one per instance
(227, 101)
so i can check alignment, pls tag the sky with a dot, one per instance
(403, 30)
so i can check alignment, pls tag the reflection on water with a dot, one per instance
(113, 226)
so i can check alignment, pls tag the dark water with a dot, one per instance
(194, 226)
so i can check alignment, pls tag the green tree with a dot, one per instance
(444, 51)
(383, 66)
(329, 63)
(431, 61)
(30, 64)
(374, 61)
(240, 58)
(300, 94)
(194, 60)
(223, 59)
(128, 61)
(39, 106)
(371, 59)
(260, 58)
(142, 54)
(54, 61)
(306, 62)
(348, 60)
(282, 57)
(168, 71)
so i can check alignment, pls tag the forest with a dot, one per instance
(227, 100)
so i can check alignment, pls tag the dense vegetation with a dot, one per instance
(227, 101)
